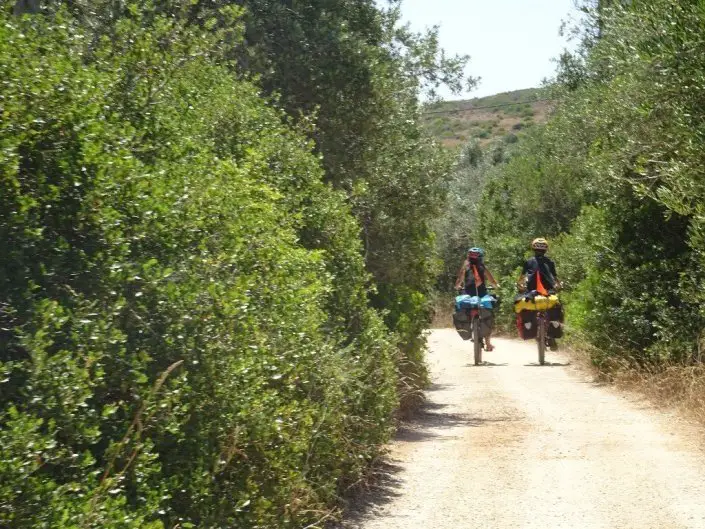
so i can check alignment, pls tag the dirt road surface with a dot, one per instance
(511, 444)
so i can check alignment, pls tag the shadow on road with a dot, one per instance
(487, 364)
(382, 486)
(430, 421)
(419, 430)
(438, 387)
(547, 364)
(377, 490)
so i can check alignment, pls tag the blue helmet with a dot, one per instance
(479, 252)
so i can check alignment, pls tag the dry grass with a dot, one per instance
(467, 120)
(451, 143)
(442, 309)
(668, 386)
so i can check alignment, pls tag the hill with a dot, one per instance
(486, 118)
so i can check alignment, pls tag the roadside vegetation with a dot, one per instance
(222, 224)
(215, 256)
(615, 180)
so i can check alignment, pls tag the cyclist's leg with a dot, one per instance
(482, 291)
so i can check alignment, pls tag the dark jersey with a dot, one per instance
(472, 287)
(545, 266)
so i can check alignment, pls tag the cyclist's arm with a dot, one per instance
(461, 275)
(559, 284)
(491, 277)
(552, 269)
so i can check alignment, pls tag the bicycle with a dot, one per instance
(475, 322)
(542, 322)
(478, 341)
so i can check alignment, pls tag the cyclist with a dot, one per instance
(539, 275)
(539, 272)
(472, 278)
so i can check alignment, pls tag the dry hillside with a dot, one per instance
(487, 118)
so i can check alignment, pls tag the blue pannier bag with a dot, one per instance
(466, 302)
(462, 320)
(488, 302)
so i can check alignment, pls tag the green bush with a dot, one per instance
(185, 333)
(615, 180)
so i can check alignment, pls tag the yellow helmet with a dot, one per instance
(539, 244)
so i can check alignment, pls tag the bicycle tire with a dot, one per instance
(542, 339)
(477, 340)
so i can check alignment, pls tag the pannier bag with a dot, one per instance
(526, 324)
(472, 302)
(486, 321)
(461, 317)
(555, 321)
(526, 306)
(461, 321)
(466, 302)
(528, 302)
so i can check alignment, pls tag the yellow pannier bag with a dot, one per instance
(538, 303)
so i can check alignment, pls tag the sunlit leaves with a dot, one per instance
(185, 331)
(625, 140)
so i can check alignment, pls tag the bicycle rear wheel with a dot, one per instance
(542, 338)
(477, 340)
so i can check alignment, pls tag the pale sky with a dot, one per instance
(510, 42)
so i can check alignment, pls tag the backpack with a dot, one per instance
(526, 324)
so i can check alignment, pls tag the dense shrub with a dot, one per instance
(615, 180)
(184, 331)
(357, 71)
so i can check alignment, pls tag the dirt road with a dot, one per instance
(514, 445)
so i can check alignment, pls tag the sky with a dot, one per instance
(510, 42)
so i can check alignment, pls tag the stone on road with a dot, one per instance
(511, 444)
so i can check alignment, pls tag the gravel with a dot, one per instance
(511, 444)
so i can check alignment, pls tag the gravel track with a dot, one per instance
(511, 444)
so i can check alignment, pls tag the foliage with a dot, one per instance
(454, 226)
(360, 72)
(349, 75)
(615, 179)
(185, 331)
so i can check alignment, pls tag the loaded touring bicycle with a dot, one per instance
(473, 319)
(541, 318)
